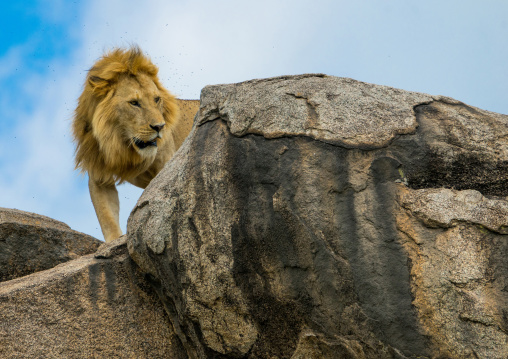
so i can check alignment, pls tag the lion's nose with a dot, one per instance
(157, 128)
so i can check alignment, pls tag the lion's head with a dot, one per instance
(123, 117)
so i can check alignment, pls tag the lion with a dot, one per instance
(126, 127)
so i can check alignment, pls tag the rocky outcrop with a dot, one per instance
(319, 217)
(94, 306)
(31, 242)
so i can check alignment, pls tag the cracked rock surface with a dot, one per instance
(319, 217)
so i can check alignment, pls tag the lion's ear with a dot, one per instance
(96, 82)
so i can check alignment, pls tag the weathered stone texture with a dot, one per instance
(457, 245)
(31, 242)
(458, 146)
(326, 108)
(318, 217)
(85, 308)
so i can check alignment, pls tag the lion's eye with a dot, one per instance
(157, 99)
(135, 103)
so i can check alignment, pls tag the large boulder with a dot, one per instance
(31, 242)
(96, 306)
(321, 217)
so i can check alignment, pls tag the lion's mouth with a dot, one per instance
(144, 144)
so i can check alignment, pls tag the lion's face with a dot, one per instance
(138, 118)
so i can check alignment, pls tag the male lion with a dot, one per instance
(126, 127)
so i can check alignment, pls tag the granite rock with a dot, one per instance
(313, 216)
(86, 308)
(31, 242)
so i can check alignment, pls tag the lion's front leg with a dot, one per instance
(107, 207)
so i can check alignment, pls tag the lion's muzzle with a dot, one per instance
(144, 144)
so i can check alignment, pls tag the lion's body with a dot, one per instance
(126, 127)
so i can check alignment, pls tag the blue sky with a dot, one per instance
(451, 47)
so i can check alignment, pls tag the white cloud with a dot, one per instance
(196, 43)
(38, 155)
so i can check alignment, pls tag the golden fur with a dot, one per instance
(126, 127)
(103, 150)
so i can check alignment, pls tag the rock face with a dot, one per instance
(95, 306)
(320, 217)
(30, 242)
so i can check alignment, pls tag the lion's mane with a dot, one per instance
(101, 149)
